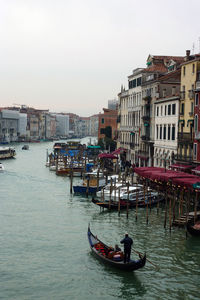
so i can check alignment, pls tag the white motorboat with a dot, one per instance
(124, 190)
(1, 167)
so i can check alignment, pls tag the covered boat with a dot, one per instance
(113, 205)
(101, 251)
(194, 227)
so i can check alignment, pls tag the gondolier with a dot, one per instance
(128, 242)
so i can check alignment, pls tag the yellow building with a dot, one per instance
(189, 71)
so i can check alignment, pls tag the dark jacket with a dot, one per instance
(127, 241)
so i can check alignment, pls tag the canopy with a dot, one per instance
(179, 178)
(118, 151)
(107, 155)
(93, 147)
(180, 167)
(196, 170)
(188, 182)
(142, 170)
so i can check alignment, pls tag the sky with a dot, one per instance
(74, 55)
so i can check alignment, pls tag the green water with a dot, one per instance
(44, 252)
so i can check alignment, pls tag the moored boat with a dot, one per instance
(101, 251)
(140, 202)
(91, 183)
(194, 227)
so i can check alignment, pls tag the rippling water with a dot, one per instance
(44, 252)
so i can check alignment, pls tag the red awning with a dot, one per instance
(187, 181)
(180, 167)
(142, 171)
(107, 155)
(118, 151)
(196, 170)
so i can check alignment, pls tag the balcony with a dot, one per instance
(191, 114)
(198, 85)
(183, 158)
(145, 138)
(197, 135)
(191, 94)
(182, 95)
(146, 118)
(147, 98)
(132, 145)
(185, 137)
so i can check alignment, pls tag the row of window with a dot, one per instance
(165, 132)
(135, 82)
(169, 110)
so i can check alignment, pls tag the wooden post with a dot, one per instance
(132, 178)
(187, 201)
(170, 216)
(174, 204)
(71, 180)
(110, 193)
(165, 221)
(115, 190)
(195, 206)
(127, 202)
(47, 157)
(119, 202)
(87, 189)
(147, 206)
(97, 180)
(136, 210)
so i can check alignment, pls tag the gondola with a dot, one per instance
(194, 228)
(101, 251)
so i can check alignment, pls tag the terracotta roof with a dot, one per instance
(164, 57)
(156, 68)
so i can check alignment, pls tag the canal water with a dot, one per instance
(44, 251)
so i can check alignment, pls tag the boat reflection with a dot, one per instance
(129, 283)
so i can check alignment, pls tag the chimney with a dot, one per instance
(187, 54)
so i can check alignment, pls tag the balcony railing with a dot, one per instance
(185, 137)
(182, 95)
(197, 135)
(191, 94)
(146, 118)
(198, 85)
(147, 98)
(145, 138)
(184, 158)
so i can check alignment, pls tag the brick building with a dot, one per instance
(107, 119)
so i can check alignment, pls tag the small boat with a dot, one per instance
(25, 147)
(1, 167)
(194, 227)
(101, 251)
(114, 205)
(90, 183)
(7, 152)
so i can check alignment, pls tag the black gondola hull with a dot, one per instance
(131, 266)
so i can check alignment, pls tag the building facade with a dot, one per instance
(189, 71)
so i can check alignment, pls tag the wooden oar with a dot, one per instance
(146, 258)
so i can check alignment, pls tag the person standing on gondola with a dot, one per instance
(128, 242)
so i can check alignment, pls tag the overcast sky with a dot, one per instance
(73, 55)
